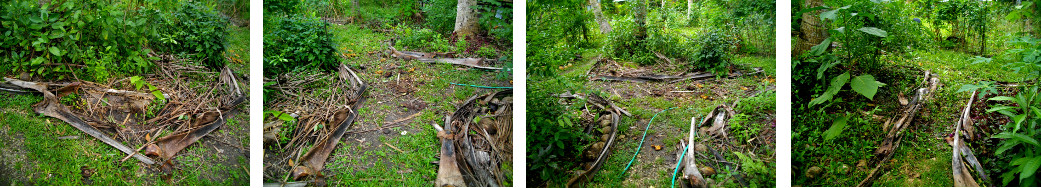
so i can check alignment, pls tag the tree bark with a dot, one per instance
(605, 27)
(355, 7)
(811, 30)
(465, 18)
(641, 19)
(690, 8)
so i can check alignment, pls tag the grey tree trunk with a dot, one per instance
(811, 30)
(355, 7)
(465, 18)
(605, 26)
(641, 19)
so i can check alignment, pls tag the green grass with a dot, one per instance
(52, 161)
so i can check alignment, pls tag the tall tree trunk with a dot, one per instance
(690, 8)
(641, 19)
(811, 29)
(605, 27)
(355, 7)
(465, 18)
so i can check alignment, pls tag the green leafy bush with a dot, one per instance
(194, 29)
(554, 138)
(440, 15)
(297, 42)
(496, 18)
(421, 39)
(713, 52)
(39, 37)
(281, 7)
(1020, 137)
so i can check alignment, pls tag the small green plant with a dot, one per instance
(984, 88)
(288, 124)
(761, 174)
(138, 83)
(487, 52)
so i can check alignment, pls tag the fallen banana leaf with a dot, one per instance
(51, 107)
(476, 161)
(313, 162)
(690, 168)
(604, 105)
(167, 147)
(962, 177)
(892, 141)
(441, 58)
(448, 174)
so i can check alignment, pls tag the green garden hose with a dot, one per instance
(678, 166)
(485, 87)
(641, 141)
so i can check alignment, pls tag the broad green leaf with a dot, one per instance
(967, 87)
(1030, 167)
(1002, 98)
(37, 61)
(1025, 139)
(1005, 146)
(159, 95)
(824, 68)
(55, 51)
(1019, 121)
(999, 108)
(874, 31)
(831, 14)
(866, 85)
(136, 80)
(820, 48)
(836, 85)
(836, 128)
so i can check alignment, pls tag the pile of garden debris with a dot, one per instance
(714, 125)
(476, 141)
(600, 121)
(610, 70)
(896, 125)
(338, 111)
(170, 116)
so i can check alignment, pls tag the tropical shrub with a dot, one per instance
(1020, 137)
(420, 39)
(194, 29)
(713, 52)
(297, 42)
(440, 15)
(281, 7)
(38, 38)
